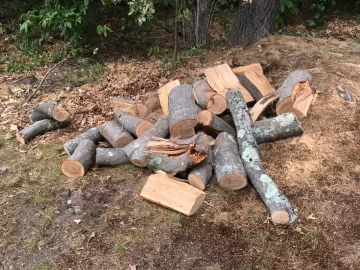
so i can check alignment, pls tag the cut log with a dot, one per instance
(228, 119)
(80, 161)
(228, 168)
(253, 79)
(132, 107)
(91, 134)
(181, 197)
(213, 125)
(164, 93)
(48, 111)
(200, 176)
(207, 98)
(279, 206)
(277, 128)
(111, 157)
(303, 97)
(182, 112)
(287, 95)
(261, 106)
(135, 126)
(115, 134)
(38, 128)
(221, 78)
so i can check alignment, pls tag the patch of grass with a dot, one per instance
(31, 243)
(45, 218)
(44, 266)
(193, 52)
(311, 239)
(41, 200)
(175, 219)
(89, 73)
(121, 243)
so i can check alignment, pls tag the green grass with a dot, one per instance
(44, 266)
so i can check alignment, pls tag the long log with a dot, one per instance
(111, 157)
(80, 161)
(207, 98)
(38, 128)
(91, 134)
(115, 134)
(132, 107)
(279, 206)
(48, 111)
(182, 112)
(213, 125)
(135, 126)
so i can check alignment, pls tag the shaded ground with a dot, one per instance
(319, 172)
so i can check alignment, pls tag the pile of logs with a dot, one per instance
(211, 127)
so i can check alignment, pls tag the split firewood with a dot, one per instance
(295, 94)
(262, 105)
(135, 126)
(253, 79)
(279, 206)
(164, 93)
(38, 128)
(182, 112)
(207, 98)
(228, 167)
(132, 107)
(111, 157)
(115, 134)
(277, 128)
(165, 191)
(213, 125)
(80, 161)
(91, 134)
(221, 78)
(48, 111)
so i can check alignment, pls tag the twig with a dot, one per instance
(46, 74)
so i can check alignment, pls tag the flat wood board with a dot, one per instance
(261, 105)
(164, 92)
(181, 197)
(221, 78)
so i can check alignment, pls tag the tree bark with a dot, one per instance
(200, 176)
(115, 134)
(176, 36)
(207, 98)
(91, 134)
(111, 157)
(135, 126)
(254, 19)
(213, 125)
(48, 111)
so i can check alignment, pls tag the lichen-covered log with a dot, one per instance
(227, 164)
(207, 98)
(132, 107)
(91, 134)
(48, 111)
(279, 206)
(182, 112)
(200, 176)
(115, 134)
(111, 157)
(80, 161)
(213, 124)
(38, 128)
(135, 126)
(277, 128)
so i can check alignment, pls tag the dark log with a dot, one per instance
(228, 168)
(111, 157)
(135, 126)
(213, 125)
(115, 134)
(132, 107)
(200, 176)
(38, 128)
(182, 112)
(80, 161)
(207, 98)
(91, 134)
(277, 128)
(48, 111)
(280, 208)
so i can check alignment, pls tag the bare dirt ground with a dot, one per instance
(319, 172)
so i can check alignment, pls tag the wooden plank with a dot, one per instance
(221, 78)
(164, 92)
(261, 105)
(181, 197)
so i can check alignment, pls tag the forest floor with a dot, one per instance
(116, 229)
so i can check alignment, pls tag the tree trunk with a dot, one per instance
(176, 36)
(254, 19)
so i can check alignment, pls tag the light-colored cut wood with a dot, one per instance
(254, 66)
(302, 97)
(132, 107)
(261, 105)
(221, 78)
(164, 92)
(181, 197)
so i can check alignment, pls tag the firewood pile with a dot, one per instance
(210, 128)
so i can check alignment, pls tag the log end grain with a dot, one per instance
(285, 106)
(138, 162)
(233, 181)
(59, 114)
(72, 168)
(123, 141)
(141, 110)
(205, 117)
(195, 181)
(184, 129)
(142, 127)
(20, 138)
(217, 104)
(280, 217)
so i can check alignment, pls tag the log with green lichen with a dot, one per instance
(279, 206)
(111, 157)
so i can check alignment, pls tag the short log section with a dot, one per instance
(200, 176)
(135, 126)
(111, 157)
(132, 107)
(92, 134)
(213, 125)
(207, 98)
(80, 161)
(48, 111)
(164, 93)
(115, 134)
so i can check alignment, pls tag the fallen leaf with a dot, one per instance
(77, 221)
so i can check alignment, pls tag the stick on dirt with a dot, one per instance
(92, 134)
(207, 98)
(135, 126)
(48, 111)
(115, 134)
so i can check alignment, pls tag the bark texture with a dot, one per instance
(48, 111)
(207, 98)
(213, 125)
(115, 134)
(200, 176)
(91, 134)
(162, 162)
(135, 126)
(111, 157)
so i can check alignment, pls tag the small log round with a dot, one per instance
(48, 111)
(80, 161)
(228, 167)
(135, 126)
(115, 134)
(91, 134)
(200, 176)
(111, 157)
(213, 124)
(38, 128)
(207, 98)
